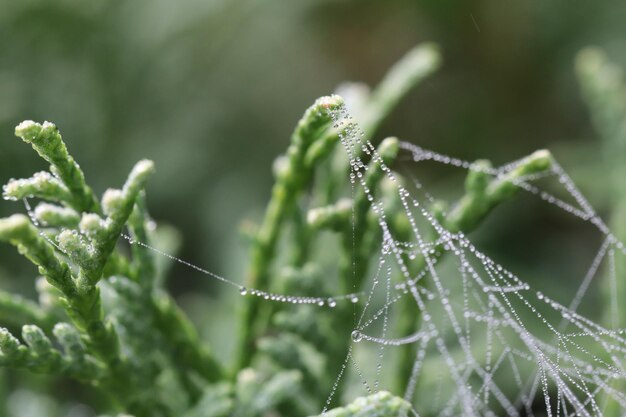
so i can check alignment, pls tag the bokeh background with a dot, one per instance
(211, 90)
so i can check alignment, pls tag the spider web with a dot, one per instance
(501, 347)
(496, 346)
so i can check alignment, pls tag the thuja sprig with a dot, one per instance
(312, 142)
(102, 234)
(483, 193)
(82, 304)
(73, 260)
(74, 245)
(291, 179)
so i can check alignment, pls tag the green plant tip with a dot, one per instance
(388, 149)
(14, 226)
(542, 155)
(31, 131)
(331, 102)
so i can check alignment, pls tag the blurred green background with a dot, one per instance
(211, 90)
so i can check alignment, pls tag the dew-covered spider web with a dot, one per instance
(489, 342)
(502, 347)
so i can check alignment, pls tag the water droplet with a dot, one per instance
(320, 303)
(331, 303)
(354, 299)
(243, 291)
(357, 336)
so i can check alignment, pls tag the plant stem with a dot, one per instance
(292, 178)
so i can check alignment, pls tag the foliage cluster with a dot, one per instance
(117, 329)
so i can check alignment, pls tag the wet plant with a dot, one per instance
(338, 215)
